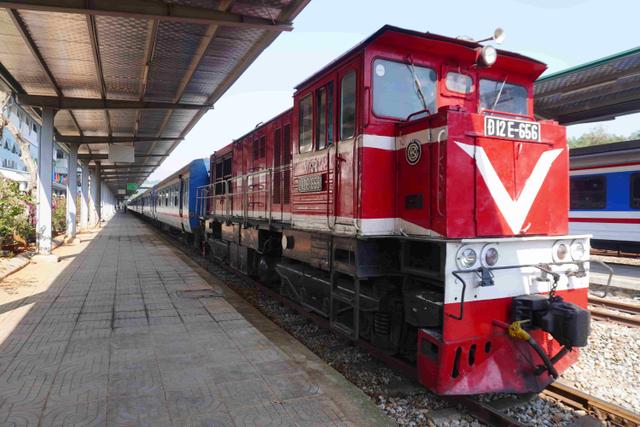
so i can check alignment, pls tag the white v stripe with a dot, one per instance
(514, 211)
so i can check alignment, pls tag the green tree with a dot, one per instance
(14, 212)
(595, 136)
(634, 135)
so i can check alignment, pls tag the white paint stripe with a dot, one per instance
(510, 282)
(631, 168)
(607, 231)
(379, 142)
(514, 211)
(604, 214)
(389, 143)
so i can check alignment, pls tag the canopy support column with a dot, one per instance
(93, 213)
(72, 195)
(45, 173)
(84, 197)
(98, 199)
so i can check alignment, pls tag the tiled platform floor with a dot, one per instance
(112, 335)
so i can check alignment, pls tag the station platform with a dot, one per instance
(625, 278)
(126, 331)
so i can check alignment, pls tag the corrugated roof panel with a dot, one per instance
(17, 59)
(122, 122)
(63, 41)
(92, 122)
(177, 122)
(175, 48)
(123, 43)
(209, 4)
(268, 9)
(593, 91)
(65, 124)
(150, 122)
(223, 54)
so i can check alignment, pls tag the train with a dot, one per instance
(605, 194)
(411, 197)
(172, 201)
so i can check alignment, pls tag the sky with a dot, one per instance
(561, 33)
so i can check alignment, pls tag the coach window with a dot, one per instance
(348, 106)
(305, 121)
(635, 190)
(400, 89)
(588, 192)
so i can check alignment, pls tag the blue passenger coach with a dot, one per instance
(605, 194)
(173, 200)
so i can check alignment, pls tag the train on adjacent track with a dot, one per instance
(605, 194)
(411, 197)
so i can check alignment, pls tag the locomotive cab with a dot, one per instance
(474, 168)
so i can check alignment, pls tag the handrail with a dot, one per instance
(438, 204)
(256, 184)
(425, 110)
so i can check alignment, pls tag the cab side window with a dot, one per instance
(305, 121)
(324, 116)
(321, 118)
(348, 106)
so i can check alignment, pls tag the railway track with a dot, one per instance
(615, 311)
(484, 412)
(601, 409)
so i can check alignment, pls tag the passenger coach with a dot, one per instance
(605, 194)
(172, 201)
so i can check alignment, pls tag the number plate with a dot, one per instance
(310, 183)
(511, 129)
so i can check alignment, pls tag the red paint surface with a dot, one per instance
(508, 365)
(609, 220)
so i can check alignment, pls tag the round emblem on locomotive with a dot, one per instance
(414, 152)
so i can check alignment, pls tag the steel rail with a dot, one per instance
(577, 399)
(623, 313)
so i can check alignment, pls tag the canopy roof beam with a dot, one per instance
(67, 103)
(150, 9)
(73, 139)
(97, 156)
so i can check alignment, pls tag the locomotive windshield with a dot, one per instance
(503, 96)
(400, 89)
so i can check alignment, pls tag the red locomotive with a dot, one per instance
(411, 197)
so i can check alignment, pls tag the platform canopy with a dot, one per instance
(139, 72)
(595, 91)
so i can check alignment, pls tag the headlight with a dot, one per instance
(488, 54)
(578, 251)
(467, 257)
(560, 252)
(489, 255)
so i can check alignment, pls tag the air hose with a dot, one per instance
(516, 331)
